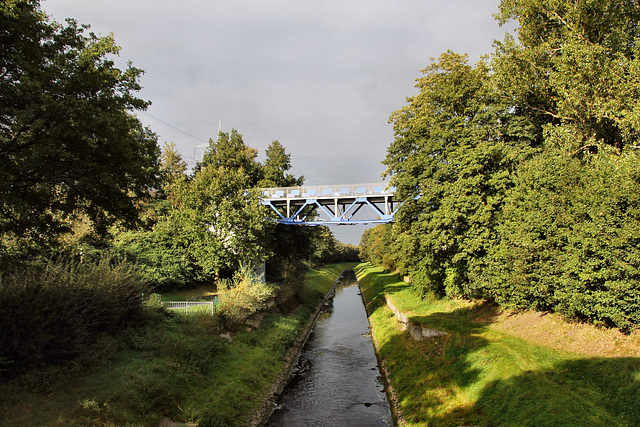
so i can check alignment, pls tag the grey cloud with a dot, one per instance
(320, 76)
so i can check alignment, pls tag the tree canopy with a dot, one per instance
(68, 140)
(519, 174)
(275, 168)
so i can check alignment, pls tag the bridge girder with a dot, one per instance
(338, 204)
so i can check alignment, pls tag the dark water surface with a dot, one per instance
(337, 381)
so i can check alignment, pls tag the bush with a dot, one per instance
(570, 239)
(163, 264)
(242, 296)
(49, 311)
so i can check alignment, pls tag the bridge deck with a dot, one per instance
(339, 203)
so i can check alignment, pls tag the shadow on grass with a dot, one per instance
(476, 376)
(427, 375)
(584, 392)
(378, 283)
(472, 319)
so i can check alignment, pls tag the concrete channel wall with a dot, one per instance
(417, 332)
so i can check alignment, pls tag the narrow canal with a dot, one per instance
(337, 380)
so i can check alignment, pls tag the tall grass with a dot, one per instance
(242, 297)
(50, 310)
(173, 366)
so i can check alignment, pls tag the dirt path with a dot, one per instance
(552, 331)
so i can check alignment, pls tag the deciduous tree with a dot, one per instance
(450, 162)
(275, 168)
(68, 140)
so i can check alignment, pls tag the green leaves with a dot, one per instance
(525, 166)
(68, 142)
(275, 167)
(450, 151)
(569, 239)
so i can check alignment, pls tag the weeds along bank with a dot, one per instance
(484, 373)
(163, 367)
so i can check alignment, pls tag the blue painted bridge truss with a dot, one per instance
(332, 204)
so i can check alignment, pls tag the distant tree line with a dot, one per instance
(520, 174)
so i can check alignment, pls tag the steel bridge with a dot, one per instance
(331, 204)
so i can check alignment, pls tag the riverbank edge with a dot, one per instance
(293, 354)
(392, 397)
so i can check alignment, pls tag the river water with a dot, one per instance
(337, 380)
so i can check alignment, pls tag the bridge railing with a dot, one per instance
(319, 191)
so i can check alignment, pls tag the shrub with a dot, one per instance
(50, 310)
(570, 239)
(163, 263)
(242, 296)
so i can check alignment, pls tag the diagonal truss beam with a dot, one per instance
(328, 206)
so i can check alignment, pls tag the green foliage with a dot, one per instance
(68, 142)
(327, 249)
(218, 221)
(229, 152)
(172, 166)
(212, 222)
(576, 66)
(451, 163)
(163, 264)
(50, 311)
(346, 253)
(242, 297)
(374, 246)
(275, 167)
(569, 239)
(519, 175)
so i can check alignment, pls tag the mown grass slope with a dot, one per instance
(484, 373)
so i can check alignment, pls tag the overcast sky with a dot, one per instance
(320, 76)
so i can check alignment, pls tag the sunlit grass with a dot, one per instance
(478, 375)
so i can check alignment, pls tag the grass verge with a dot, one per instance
(175, 367)
(483, 374)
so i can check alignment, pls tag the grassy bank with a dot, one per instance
(174, 367)
(487, 372)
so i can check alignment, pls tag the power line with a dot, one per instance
(197, 110)
(174, 127)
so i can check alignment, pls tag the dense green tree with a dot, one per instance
(567, 239)
(292, 247)
(451, 159)
(570, 239)
(324, 245)
(374, 246)
(212, 222)
(229, 151)
(275, 168)
(219, 221)
(520, 176)
(575, 69)
(172, 166)
(68, 142)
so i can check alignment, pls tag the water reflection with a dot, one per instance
(337, 381)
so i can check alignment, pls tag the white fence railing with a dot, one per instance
(319, 191)
(191, 306)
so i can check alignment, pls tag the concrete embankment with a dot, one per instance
(417, 332)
